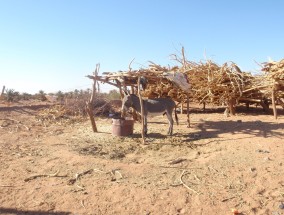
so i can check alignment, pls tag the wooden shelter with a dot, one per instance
(156, 81)
(203, 82)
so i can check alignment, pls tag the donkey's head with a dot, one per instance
(127, 101)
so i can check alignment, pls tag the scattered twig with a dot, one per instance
(210, 167)
(196, 178)
(116, 175)
(97, 170)
(44, 175)
(229, 198)
(82, 203)
(180, 178)
(176, 167)
(26, 127)
(80, 187)
(182, 183)
(7, 186)
(179, 160)
(78, 175)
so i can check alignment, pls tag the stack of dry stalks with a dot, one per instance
(216, 84)
(255, 88)
(275, 76)
(275, 70)
(158, 86)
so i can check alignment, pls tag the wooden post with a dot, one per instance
(274, 102)
(204, 106)
(181, 108)
(142, 111)
(90, 103)
(89, 108)
(232, 107)
(247, 105)
(134, 113)
(187, 107)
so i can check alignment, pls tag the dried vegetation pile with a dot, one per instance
(215, 84)
(275, 76)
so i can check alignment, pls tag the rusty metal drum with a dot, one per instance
(122, 127)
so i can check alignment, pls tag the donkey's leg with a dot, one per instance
(171, 122)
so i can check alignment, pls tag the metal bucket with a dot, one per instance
(122, 127)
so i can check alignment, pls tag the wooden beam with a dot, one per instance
(245, 100)
(98, 78)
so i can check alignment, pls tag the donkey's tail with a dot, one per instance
(176, 117)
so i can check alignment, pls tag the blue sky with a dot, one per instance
(51, 45)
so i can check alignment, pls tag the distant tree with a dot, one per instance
(88, 90)
(70, 95)
(12, 95)
(41, 95)
(60, 96)
(26, 96)
(81, 93)
(113, 94)
(76, 93)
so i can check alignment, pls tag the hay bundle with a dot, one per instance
(216, 84)
(256, 88)
(275, 70)
(275, 76)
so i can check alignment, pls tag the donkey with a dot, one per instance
(152, 107)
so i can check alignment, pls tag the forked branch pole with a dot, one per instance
(89, 104)
(89, 109)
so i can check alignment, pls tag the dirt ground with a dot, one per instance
(219, 164)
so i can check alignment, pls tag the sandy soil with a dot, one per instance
(219, 164)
